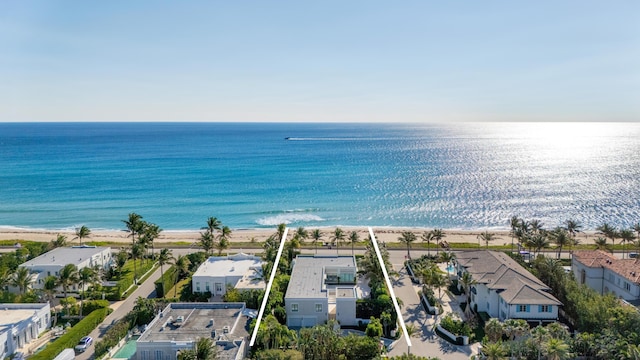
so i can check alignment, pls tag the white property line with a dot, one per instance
(393, 294)
(266, 294)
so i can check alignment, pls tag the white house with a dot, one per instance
(241, 271)
(322, 288)
(179, 326)
(50, 263)
(504, 289)
(20, 324)
(605, 273)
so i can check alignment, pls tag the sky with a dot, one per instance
(334, 61)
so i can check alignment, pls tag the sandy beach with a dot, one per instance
(245, 235)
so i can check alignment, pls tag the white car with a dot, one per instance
(84, 344)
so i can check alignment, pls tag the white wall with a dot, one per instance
(307, 309)
(534, 312)
(28, 329)
(346, 311)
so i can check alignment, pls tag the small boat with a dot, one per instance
(287, 138)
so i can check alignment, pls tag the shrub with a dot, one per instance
(112, 336)
(72, 336)
(456, 327)
(165, 283)
(90, 305)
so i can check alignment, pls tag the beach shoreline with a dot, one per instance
(383, 234)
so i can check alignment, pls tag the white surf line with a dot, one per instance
(266, 294)
(403, 326)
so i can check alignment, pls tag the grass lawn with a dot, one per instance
(181, 284)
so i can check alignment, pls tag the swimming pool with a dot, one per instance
(451, 269)
(127, 350)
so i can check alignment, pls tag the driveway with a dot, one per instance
(425, 342)
(121, 308)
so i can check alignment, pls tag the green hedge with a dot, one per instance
(165, 283)
(73, 335)
(112, 336)
(89, 306)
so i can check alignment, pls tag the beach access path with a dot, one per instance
(120, 309)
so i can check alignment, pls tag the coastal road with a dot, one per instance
(122, 308)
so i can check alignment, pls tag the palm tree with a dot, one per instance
(466, 280)
(447, 257)
(486, 237)
(601, 243)
(223, 239)
(60, 241)
(438, 235)
(85, 275)
(213, 225)
(609, 232)
(22, 279)
(150, 232)
(222, 245)
(280, 231)
(134, 226)
(82, 232)
(538, 242)
(182, 268)
(49, 287)
(407, 237)
(165, 258)
(5, 278)
(302, 234)
(207, 242)
(316, 235)
(561, 238)
(205, 349)
(493, 328)
(573, 227)
(636, 228)
(536, 226)
(67, 277)
(556, 349)
(495, 351)
(353, 238)
(338, 236)
(428, 237)
(626, 236)
(515, 225)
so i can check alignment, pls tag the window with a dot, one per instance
(218, 287)
(544, 308)
(158, 354)
(488, 306)
(207, 287)
(294, 307)
(523, 308)
(197, 286)
(627, 286)
(583, 276)
(318, 307)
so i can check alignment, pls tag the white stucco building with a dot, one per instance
(322, 288)
(504, 289)
(20, 324)
(605, 274)
(50, 263)
(241, 271)
(180, 325)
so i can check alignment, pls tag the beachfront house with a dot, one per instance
(179, 326)
(506, 290)
(50, 263)
(241, 271)
(20, 324)
(322, 288)
(607, 274)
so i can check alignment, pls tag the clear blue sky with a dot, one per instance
(319, 61)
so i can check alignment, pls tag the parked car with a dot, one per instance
(84, 344)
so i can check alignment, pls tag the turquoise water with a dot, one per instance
(127, 350)
(451, 269)
(468, 176)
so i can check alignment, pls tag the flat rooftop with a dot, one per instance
(11, 314)
(227, 321)
(308, 271)
(233, 265)
(65, 255)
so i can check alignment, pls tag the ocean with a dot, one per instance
(257, 175)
